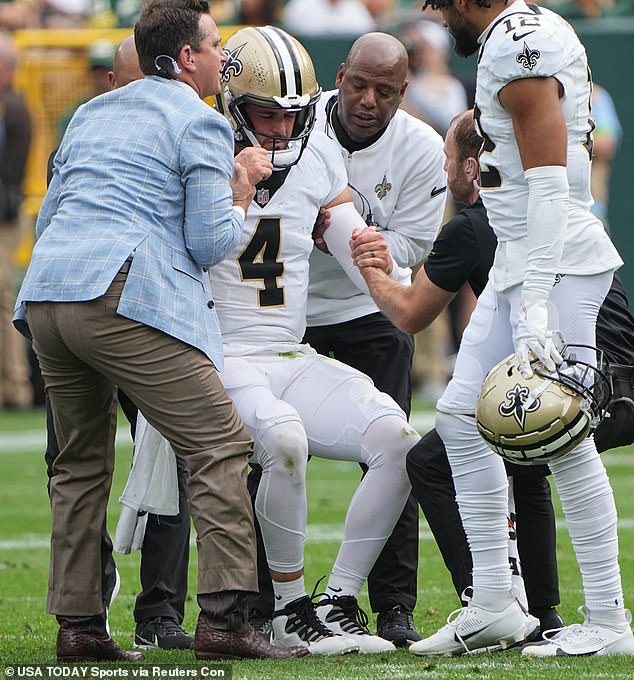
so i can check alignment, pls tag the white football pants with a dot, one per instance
(479, 475)
(299, 402)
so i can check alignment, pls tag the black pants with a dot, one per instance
(374, 346)
(165, 551)
(615, 336)
(618, 429)
(432, 484)
(264, 601)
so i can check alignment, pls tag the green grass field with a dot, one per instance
(27, 633)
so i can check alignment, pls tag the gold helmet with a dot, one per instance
(535, 420)
(268, 67)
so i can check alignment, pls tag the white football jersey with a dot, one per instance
(260, 289)
(527, 41)
(399, 184)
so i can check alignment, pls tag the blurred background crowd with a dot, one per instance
(299, 16)
(56, 54)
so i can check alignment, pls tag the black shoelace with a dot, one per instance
(303, 620)
(346, 611)
(166, 626)
(400, 617)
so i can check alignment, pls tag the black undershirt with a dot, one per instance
(272, 184)
(342, 136)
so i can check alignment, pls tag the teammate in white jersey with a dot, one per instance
(553, 267)
(394, 164)
(395, 172)
(291, 399)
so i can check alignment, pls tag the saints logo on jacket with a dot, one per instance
(382, 188)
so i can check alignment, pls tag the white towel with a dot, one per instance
(130, 531)
(152, 486)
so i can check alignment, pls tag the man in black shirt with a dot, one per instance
(463, 252)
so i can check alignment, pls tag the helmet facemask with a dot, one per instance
(269, 68)
(245, 133)
(592, 381)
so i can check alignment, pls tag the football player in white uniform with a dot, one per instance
(553, 267)
(292, 400)
(394, 164)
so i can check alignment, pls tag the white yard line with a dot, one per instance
(32, 440)
(29, 441)
(316, 534)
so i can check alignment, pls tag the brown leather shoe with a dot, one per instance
(80, 645)
(212, 643)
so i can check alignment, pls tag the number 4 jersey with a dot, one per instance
(260, 289)
(527, 41)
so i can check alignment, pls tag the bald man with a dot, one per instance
(160, 606)
(125, 68)
(395, 168)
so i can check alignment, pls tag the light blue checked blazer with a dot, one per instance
(143, 170)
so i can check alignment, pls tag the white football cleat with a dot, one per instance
(342, 614)
(473, 628)
(584, 639)
(532, 627)
(532, 634)
(298, 625)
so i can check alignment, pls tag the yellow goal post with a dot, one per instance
(53, 74)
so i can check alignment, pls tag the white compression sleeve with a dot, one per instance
(546, 222)
(344, 219)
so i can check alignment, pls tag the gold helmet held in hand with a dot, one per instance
(535, 420)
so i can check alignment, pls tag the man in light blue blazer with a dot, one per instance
(144, 198)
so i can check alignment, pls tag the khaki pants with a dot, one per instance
(15, 382)
(85, 349)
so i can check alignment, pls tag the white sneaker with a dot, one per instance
(298, 625)
(113, 595)
(343, 616)
(584, 639)
(473, 629)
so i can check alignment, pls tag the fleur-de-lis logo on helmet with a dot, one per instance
(381, 189)
(233, 66)
(528, 58)
(517, 397)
